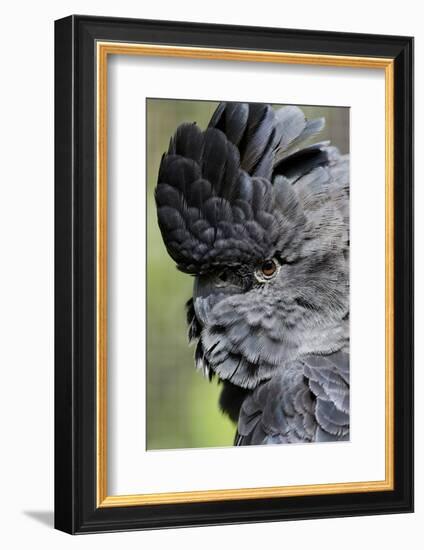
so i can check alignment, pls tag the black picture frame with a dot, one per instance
(76, 509)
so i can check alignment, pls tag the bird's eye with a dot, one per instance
(268, 268)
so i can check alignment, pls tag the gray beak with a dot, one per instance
(208, 291)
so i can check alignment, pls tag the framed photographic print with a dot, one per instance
(233, 268)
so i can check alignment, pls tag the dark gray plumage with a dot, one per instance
(263, 224)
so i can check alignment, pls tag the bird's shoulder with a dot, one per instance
(306, 400)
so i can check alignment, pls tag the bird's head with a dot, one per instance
(264, 234)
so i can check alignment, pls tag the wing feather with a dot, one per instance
(308, 400)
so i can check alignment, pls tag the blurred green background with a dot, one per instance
(182, 406)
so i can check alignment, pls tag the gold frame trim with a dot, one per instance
(104, 49)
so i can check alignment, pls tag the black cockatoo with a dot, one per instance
(262, 223)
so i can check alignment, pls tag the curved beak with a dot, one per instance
(208, 291)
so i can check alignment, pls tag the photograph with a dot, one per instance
(210, 307)
(233, 274)
(247, 274)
